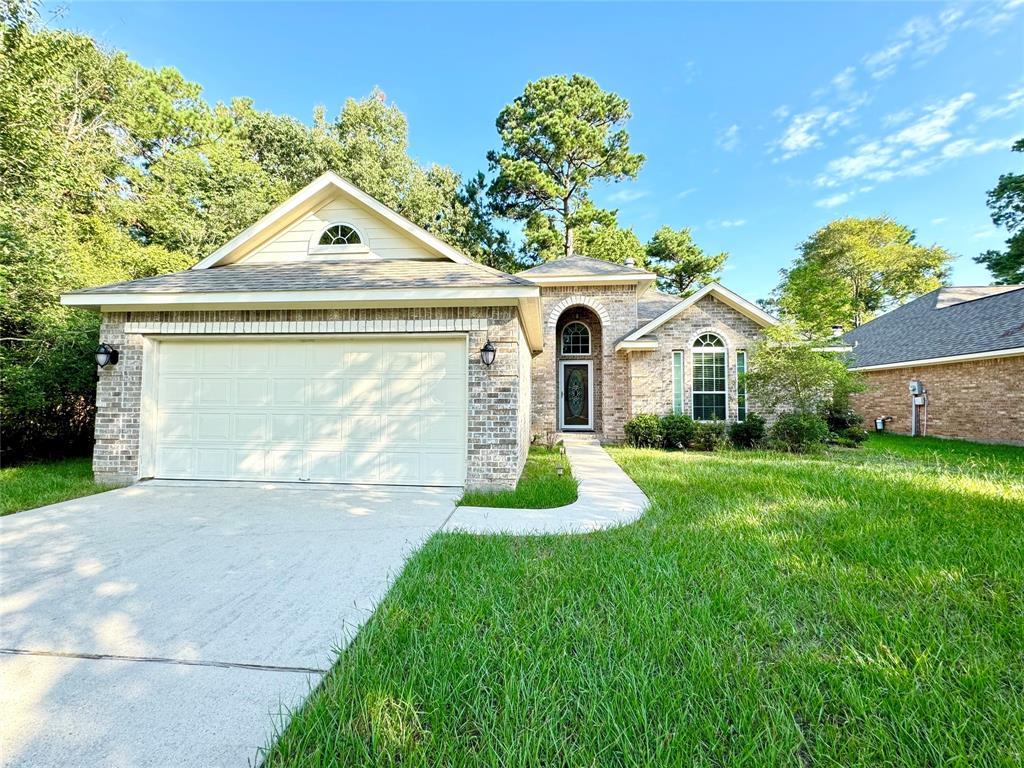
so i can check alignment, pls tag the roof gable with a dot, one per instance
(717, 291)
(326, 198)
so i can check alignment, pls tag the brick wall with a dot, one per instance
(976, 400)
(651, 372)
(498, 441)
(615, 308)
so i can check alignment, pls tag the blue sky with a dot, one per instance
(761, 122)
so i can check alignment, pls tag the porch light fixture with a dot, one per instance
(487, 353)
(106, 355)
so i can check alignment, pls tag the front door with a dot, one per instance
(576, 401)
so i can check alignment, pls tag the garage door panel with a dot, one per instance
(214, 426)
(252, 391)
(340, 410)
(288, 392)
(175, 390)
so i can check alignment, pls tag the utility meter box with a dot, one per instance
(919, 400)
(916, 387)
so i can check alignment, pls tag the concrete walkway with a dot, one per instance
(607, 497)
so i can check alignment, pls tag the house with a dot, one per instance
(965, 348)
(335, 341)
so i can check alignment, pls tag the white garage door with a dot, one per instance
(379, 410)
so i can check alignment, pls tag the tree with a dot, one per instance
(559, 137)
(611, 242)
(484, 242)
(681, 264)
(791, 373)
(853, 269)
(1006, 201)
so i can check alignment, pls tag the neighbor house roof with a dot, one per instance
(316, 276)
(943, 326)
(583, 269)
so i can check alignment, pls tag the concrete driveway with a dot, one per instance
(175, 623)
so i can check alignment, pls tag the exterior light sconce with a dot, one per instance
(106, 355)
(488, 353)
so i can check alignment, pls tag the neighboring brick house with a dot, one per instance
(965, 346)
(335, 341)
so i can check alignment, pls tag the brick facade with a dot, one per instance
(977, 400)
(613, 309)
(498, 439)
(651, 372)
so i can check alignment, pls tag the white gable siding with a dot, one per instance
(385, 241)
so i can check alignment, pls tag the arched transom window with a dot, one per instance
(575, 339)
(340, 234)
(709, 378)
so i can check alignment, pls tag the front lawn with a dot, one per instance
(36, 485)
(857, 608)
(540, 487)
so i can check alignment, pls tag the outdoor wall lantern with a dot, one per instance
(106, 355)
(487, 353)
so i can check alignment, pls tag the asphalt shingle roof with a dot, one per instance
(654, 303)
(943, 323)
(318, 276)
(582, 265)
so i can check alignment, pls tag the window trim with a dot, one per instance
(741, 386)
(361, 247)
(694, 351)
(678, 383)
(590, 340)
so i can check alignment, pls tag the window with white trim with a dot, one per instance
(709, 378)
(339, 238)
(741, 385)
(677, 381)
(575, 339)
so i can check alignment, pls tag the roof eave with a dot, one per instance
(924, 362)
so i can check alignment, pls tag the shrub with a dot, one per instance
(799, 432)
(748, 433)
(710, 435)
(644, 431)
(679, 430)
(849, 437)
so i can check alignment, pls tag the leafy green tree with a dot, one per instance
(681, 264)
(852, 269)
(611, 243)
(559, 137)
(791, 373)
(1006, 201)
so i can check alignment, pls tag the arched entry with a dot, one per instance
(578, 344)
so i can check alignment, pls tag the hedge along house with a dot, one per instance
(962, 349)
(335, 341)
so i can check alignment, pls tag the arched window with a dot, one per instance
(575, 339)
(340, 234)
(709, 378)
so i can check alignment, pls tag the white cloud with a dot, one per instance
(1012, 102)
(913, 150)
(627, 195)
(686, 193)
(834, 200)
(781, 112)
(805, 131)
(984, 234)
(939, 220)
(845, 79)
(726, 223)
(897, 118)
(729, 139)
(881, 64)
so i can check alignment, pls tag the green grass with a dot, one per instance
(540, 487)
(857, 608)
(36, 485)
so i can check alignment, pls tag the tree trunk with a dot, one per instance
(568, 229)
